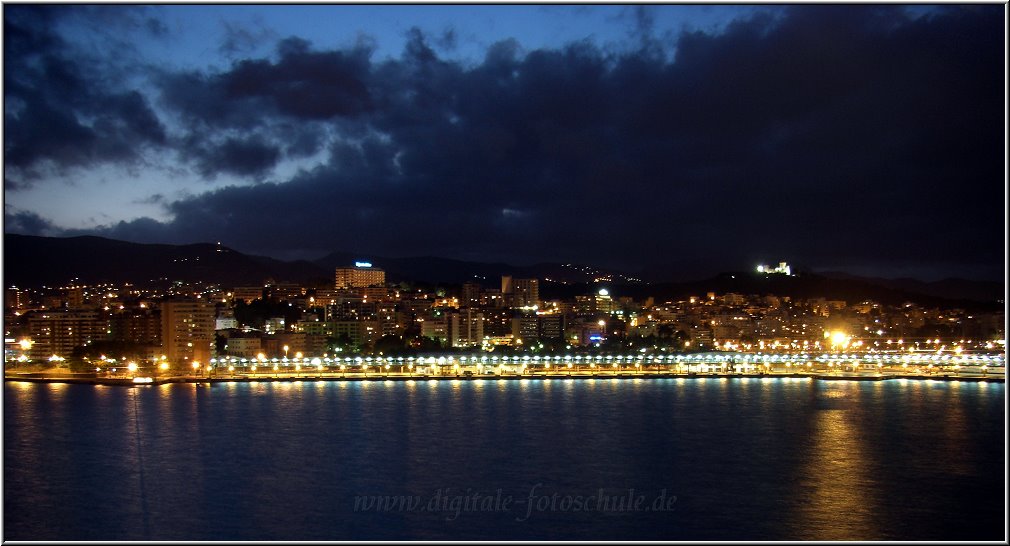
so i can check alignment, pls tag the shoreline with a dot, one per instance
(128, 382)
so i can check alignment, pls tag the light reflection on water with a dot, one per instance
(839, 492)
(748, 459)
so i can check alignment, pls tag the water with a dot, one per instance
(711, 459)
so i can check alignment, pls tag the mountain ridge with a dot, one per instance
(58, 260)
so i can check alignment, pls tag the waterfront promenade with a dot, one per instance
(988, 367)
(315, 375)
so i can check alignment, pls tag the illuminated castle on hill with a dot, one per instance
(782, 269)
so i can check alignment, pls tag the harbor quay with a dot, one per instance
(859, 367)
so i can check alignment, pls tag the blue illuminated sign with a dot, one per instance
(362, 264)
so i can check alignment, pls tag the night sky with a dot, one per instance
(688, 139)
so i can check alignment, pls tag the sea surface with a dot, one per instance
(603, 459)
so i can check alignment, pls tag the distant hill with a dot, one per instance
(54, 261)
(946, 288)
(430, 269)
(31, 261)
(802, 286)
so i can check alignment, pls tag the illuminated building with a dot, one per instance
(782, 269)
(525, 327)
(286, 291)
(520, 292)
(187, 329)
(470, 296)
(465, 328)
(373, 293)
(360, 276)
(359, 332)
(13, 299)
(601, 302)
(435, 328)
(247, 294)
(140, 326)
(497, 322)
(225, 320)
(59, 332)
(75, 297)
(604, 303)
(244, 345)
(551, 326)
(274, 324)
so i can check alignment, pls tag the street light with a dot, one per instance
(26, 345)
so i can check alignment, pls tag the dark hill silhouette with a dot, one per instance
(31, 261)
(803, 286)
(54, 261)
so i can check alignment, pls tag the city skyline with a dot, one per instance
(358, 310)
(863, 139)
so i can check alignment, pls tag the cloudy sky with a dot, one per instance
(693, 139)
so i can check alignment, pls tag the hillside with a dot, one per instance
(38, 261)
(31, 261)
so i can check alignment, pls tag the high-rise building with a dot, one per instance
(465, 328)
(507, 288)
(471, 295)
(57, 333)
(74, 296)
(592, 304)
(520, 292)
(551, 326)
(603, 302)
(137, 325)
(527, 293)
(13, 299)
(524, 327)
(497, 322)
(360, 276)
(187, 329)
(435, 327)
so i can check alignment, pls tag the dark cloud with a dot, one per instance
(821, 135)
(301, 140)
(448, 40)
(12, 184)
(249, 157)
(61, 109)
(27, 223)
(241, 39)
(156, 27)
(302, 85)
(106, 18)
